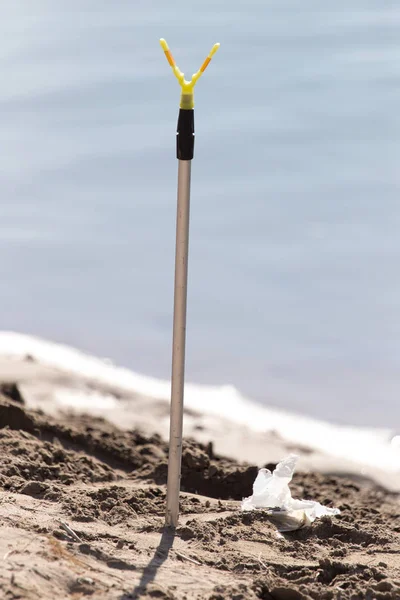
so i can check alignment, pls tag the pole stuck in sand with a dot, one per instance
(184, 154)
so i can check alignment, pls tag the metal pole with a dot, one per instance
(178, 344)
(184, 154)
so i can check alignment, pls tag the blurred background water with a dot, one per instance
(294, 277)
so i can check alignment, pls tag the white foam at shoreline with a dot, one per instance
(365, 446)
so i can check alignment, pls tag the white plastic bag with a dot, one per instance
(271, 491)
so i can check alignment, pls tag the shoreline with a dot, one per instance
(57, 379)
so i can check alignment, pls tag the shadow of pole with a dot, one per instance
(150, 571)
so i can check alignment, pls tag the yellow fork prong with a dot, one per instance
(209, 57)
(167, 52)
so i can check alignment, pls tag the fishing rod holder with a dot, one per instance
(184, 153)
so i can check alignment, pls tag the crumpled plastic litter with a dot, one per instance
(271, 491)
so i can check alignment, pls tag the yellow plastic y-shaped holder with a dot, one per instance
(187, 87)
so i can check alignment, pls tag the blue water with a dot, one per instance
(294, 281)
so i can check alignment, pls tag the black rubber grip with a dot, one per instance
(185, 135)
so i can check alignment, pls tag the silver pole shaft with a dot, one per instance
(178, 343)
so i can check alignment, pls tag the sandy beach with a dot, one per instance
(83, 500)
